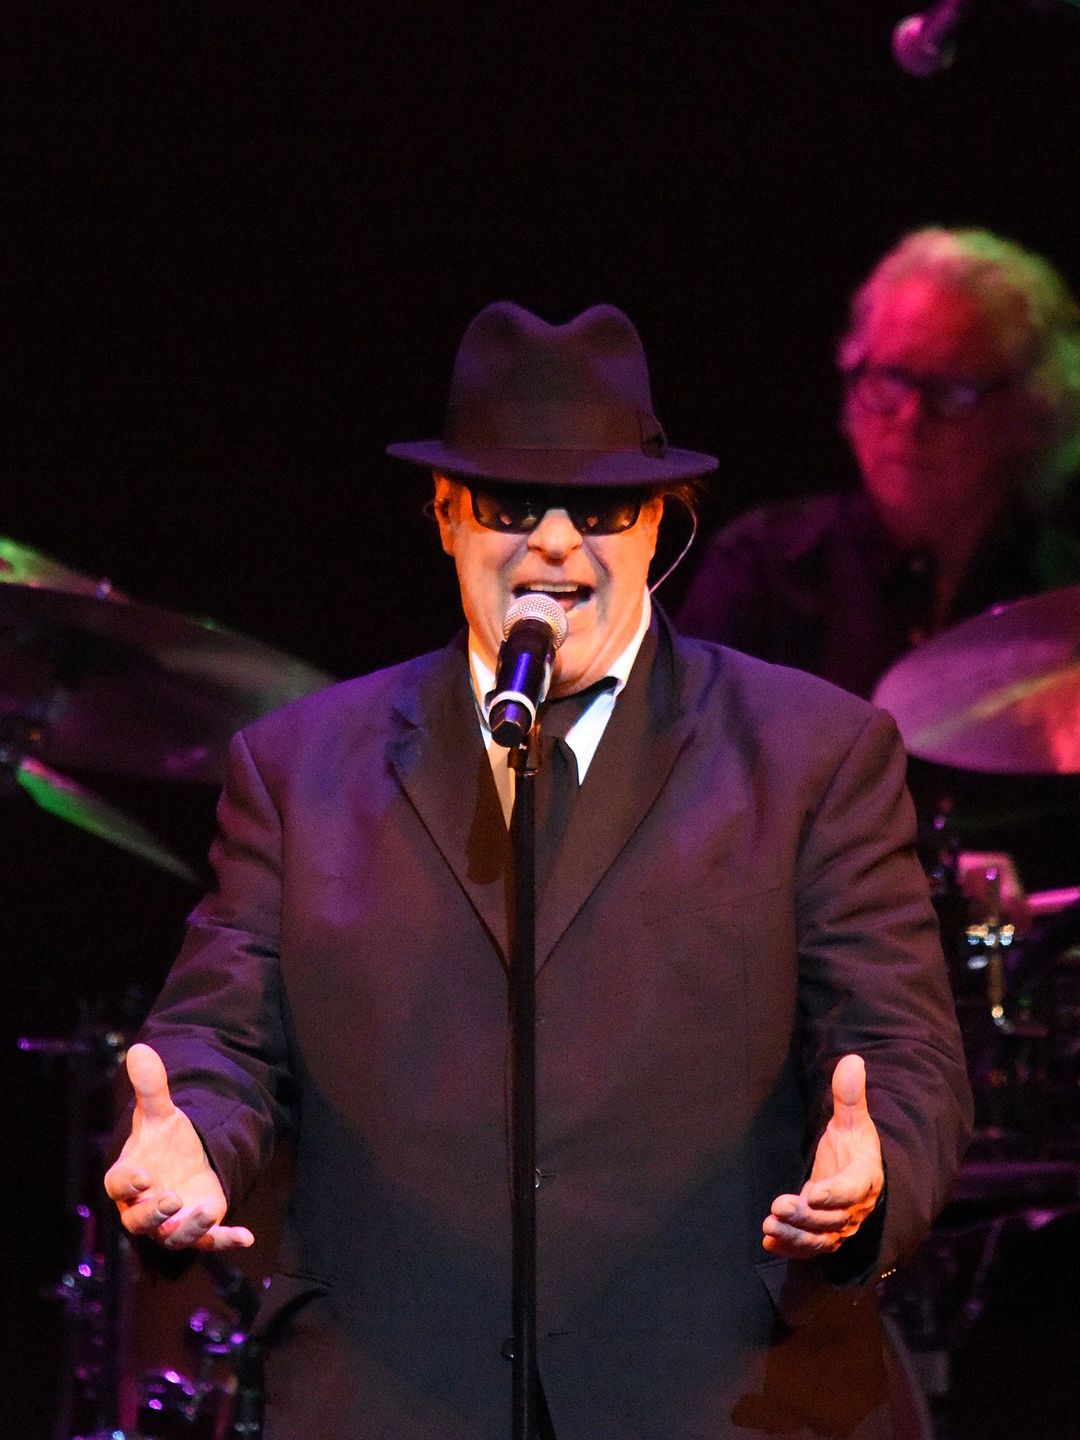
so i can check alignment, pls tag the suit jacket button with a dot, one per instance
(506, 1349)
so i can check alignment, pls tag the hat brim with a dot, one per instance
(557, 467)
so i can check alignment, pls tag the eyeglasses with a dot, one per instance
(882, 390)
(518, 509)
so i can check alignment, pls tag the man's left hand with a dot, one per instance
(845, 1182)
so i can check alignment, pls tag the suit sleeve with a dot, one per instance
(218, 1023)
(873, 981)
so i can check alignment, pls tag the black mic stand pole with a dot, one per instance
(524, 761)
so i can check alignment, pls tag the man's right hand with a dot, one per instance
(162, 1182)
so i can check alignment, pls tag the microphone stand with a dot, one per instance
(524, 761)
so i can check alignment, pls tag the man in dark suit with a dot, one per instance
(751, 1092)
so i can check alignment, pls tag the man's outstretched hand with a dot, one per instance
(845, 1182)
(162, 1182)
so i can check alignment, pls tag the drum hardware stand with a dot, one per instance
(939, 854)
(1000, 1041)
(934, 1322)
(988, 940)
(171, 1404)
(240, 1349)
(985, 941)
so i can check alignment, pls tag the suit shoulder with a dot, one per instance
(365, 698)
(785, 724)
(728, 678)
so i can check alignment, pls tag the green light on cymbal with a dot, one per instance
(59, 796)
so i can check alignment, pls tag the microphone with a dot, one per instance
(922, 44)
(534, 628)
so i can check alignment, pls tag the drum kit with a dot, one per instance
(988, 1311)
(999, 695)
(93, 680)
(96, 682)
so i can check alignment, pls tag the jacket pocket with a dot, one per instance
(797, 1289)
(825, 1368)
(285, 1294)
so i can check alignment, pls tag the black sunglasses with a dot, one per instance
(517, 509)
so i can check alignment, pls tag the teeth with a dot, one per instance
(556, 589)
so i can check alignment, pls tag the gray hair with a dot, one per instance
(1026, 298)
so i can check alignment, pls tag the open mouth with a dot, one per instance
(569, 596)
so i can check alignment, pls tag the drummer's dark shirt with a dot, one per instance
(819, 584)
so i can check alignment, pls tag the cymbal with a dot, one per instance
(20, 565)
(92, 680)
(63, 797)
(998, 693)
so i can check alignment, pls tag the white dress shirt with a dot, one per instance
(583, 736)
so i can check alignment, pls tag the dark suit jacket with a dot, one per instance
(736, 905)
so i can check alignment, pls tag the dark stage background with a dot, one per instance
(240, 244)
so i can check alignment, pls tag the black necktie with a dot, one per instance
(557, 778)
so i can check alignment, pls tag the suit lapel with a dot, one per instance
(443, 768)
(640, 745)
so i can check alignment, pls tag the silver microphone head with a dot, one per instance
(535, 606)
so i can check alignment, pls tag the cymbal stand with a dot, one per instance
(243, 1353)
(1001, 1040)
(988, 940)
(938, 1299)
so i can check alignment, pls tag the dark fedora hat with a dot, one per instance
(548, 404)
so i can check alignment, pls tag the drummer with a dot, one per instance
(961, 370)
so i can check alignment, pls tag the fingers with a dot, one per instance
(825, 1213)
(163, 1183)
(195, 1228)
(848, 1167)
(146, 1216)
(226, 1237)
(125, 1182)
(165, 1219)
(794, 1213)
(846, 1181)
(133, 1191)
(849, 1089)
(800, 1244)
(799, 1231)
(858, 1183)
(150, 1082)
